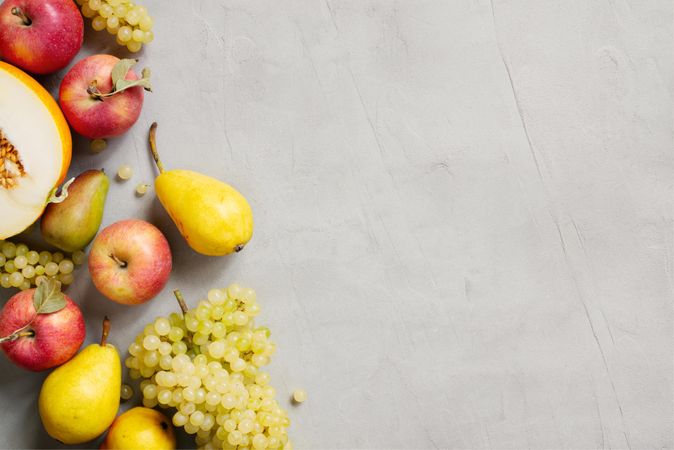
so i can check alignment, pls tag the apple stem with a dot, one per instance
(106, 331)
(92, 90)
(17, 334)
(153, 147)
(119, 262)
(20, 14)
(96, 94)
(181, 300)
(12, 337)
(21, 332)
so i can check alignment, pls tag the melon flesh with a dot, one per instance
(28, 122)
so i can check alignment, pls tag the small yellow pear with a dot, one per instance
(80, 399)
(213, 217)
(140, 428)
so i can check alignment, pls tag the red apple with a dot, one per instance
(96, 117)
(130, 262)
(40, 36)
(51, 340)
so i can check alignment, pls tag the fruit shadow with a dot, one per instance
(43, 441)
(23, 389)
(95, 306)
(98, 42)
(192, 272)
(20, 389)
(86, 159)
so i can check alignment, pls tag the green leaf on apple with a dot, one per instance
(120, 69)
(119, 82)
(119, 72)
(48, 297)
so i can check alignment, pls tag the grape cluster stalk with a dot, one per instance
(206, 364)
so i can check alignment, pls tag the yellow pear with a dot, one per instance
(80, 399)
(140, 428)
(212, 216)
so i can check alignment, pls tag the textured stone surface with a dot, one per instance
(463, 211)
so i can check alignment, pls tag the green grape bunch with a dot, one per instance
(129, 23)
(206, 364)
(23, 268)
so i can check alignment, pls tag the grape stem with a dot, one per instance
(183, 308)
(153, 147)
(181, 301)
(21, 15)
(106, 331)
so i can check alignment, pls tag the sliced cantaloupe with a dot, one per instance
(35, 149)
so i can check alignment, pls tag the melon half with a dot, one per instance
(35, 149)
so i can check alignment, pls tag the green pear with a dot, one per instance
(73, 223)
(79, 400)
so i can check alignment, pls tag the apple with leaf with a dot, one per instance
(41, 328)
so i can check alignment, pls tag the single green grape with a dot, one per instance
(112, 23)
(9, 249)
(45, 257)
(124, 172)
(126, 392)
(66, 266)
(5, 281)
(28, 272)
(32, 257)
(16, 279)
(10, 267)
(20, 261)
(98, 23)
(98, 145)
(78, 257)
(162, 326)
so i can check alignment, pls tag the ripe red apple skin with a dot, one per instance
(130, 261)
(49, 43)
(57, 338)
(91, 117)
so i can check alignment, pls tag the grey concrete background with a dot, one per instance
(463, 213)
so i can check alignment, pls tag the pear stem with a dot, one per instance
(181, 301)
(153, 147)
(106, 331)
